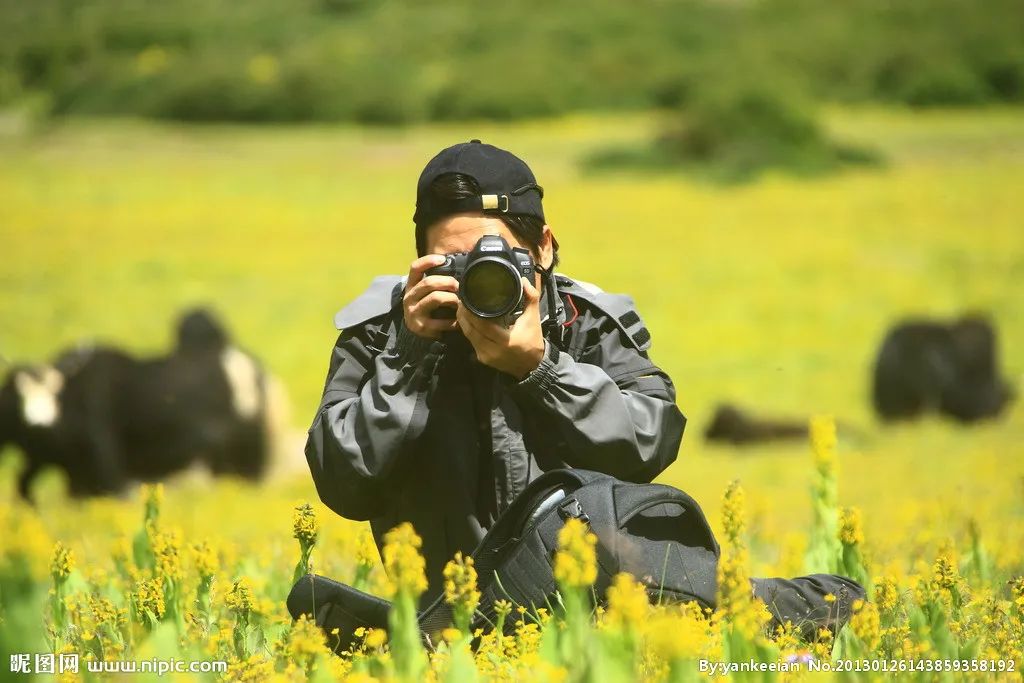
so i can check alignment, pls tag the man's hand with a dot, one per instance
(517, 350)
(423, 295)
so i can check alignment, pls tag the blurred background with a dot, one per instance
(775, 182)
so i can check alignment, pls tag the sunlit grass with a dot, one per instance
(773, 294)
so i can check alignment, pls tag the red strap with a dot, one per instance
(575, 312)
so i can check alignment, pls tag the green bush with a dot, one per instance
(754, 121)
(400, 61)
(744, 123)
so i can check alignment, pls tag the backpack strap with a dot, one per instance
(513, 560)
(619, 307)
(663, 538)
(334, 605)
(633, 499)
(515, 519)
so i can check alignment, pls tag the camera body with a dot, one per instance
(489, 278)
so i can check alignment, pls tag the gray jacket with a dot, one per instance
(411, 429)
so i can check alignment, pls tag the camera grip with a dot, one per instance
(445, 312)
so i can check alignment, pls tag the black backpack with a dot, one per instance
(656, 533)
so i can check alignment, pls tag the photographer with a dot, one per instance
(438, 416)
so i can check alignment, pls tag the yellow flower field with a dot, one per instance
(773, 294)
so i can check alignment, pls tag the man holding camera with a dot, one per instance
(452, 388)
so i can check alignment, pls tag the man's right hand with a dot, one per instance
(425, 294)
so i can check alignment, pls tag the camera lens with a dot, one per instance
(491, 288)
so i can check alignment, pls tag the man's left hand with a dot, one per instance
(516, 350)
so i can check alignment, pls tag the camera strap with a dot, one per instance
(552, 324)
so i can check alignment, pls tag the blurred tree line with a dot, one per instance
(398, 61)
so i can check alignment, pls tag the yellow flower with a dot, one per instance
(402, 560)
(375, 638)
(677, 632)
(850, 531)
(887, 594)
(822, 646)
(786, 638)
(945, 575)
(576, 559)
(205, 559)
(149, 596)
(360, 677)
(240, 598)
(823, 442)
(460, 591)
(103, 611)
(829, 597)
(945, 584)
(551, 673)
(736, 602)
(733, 512)
(527, 640)
(62, 562)
(304, 525)
(255, 669)
(167, 550)
(122, 551)
(366, 549)
(628, 604)
(306, 640)
(503, 608)
(1017, 591)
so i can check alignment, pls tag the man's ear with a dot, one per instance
(546, 248)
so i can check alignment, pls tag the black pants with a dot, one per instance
(802, 601)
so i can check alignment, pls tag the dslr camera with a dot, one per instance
(489, 276)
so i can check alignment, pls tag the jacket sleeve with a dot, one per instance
(613, 410)
(374, 407)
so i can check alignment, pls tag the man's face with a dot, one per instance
(461, 232)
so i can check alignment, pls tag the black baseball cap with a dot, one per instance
(507, 184)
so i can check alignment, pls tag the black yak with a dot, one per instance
(107, 418)
(930, 366)
(733, 425)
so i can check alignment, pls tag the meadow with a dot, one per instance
(774, 294)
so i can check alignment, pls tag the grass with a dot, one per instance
(774, 294)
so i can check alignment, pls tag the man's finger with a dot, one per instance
(435, 282)
(486, 329)
(464, 320)
(436, 325)
(464, 323)
(434, 300)
(531, 292)
(431, 283)
(417, 267)
(467, 323)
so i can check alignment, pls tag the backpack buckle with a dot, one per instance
(571, 508)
